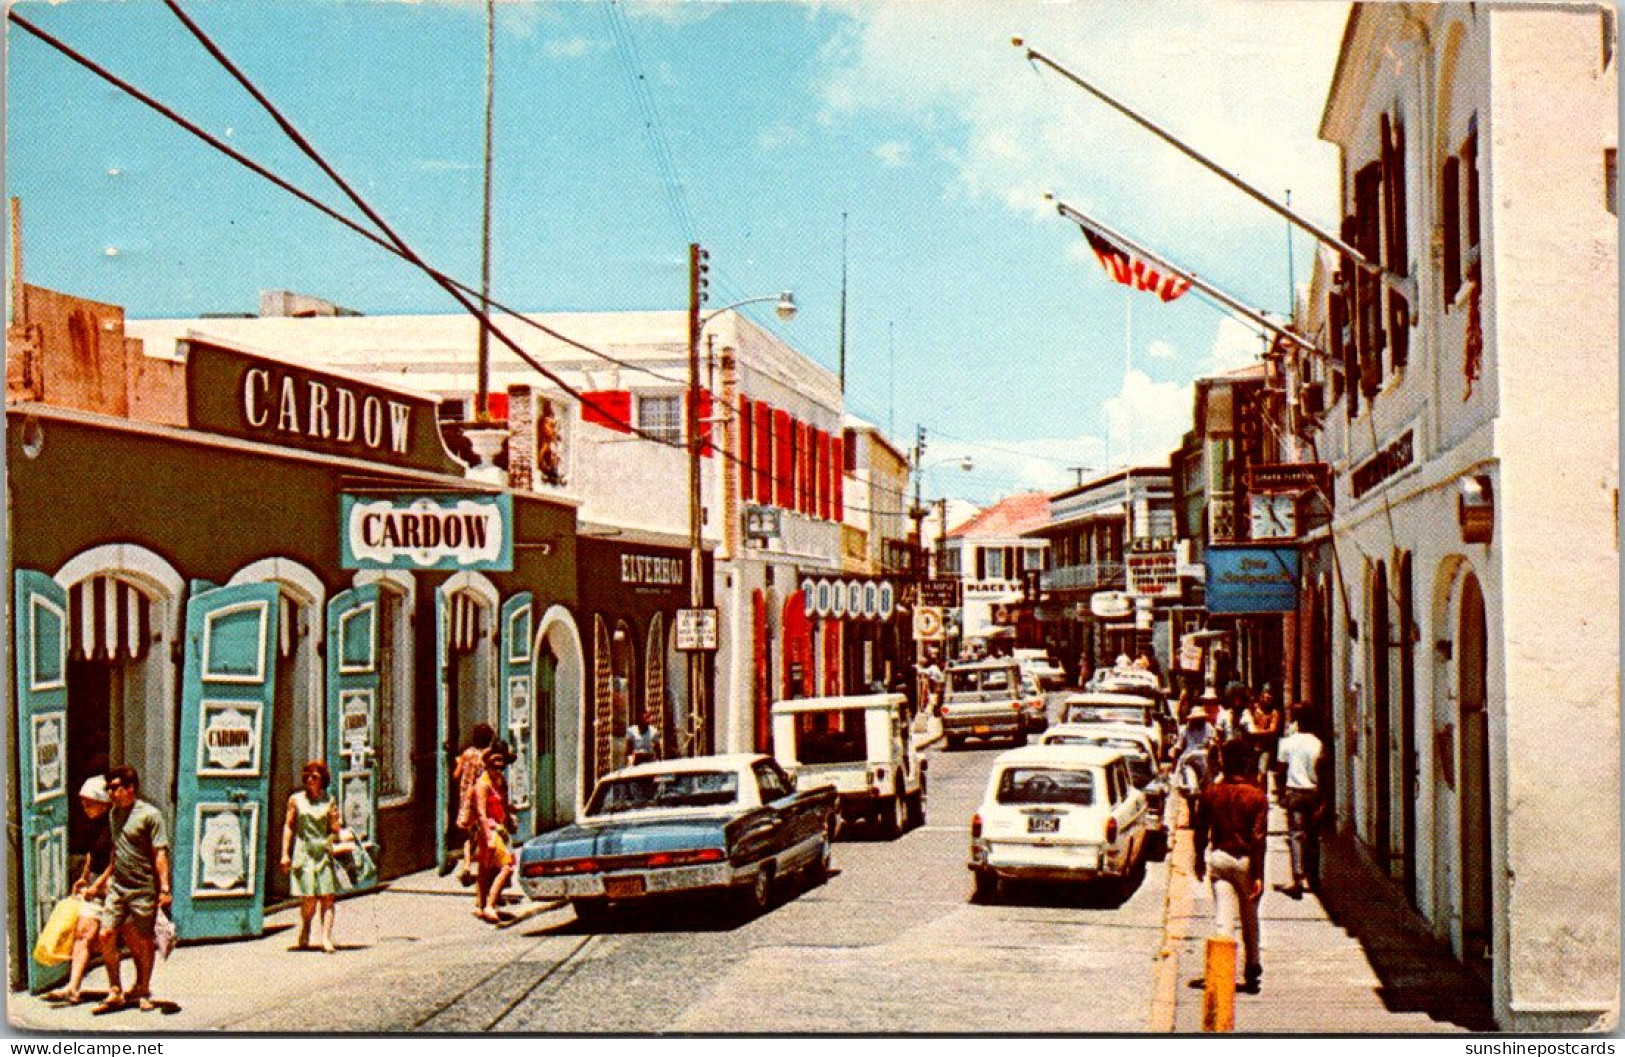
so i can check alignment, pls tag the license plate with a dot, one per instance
(1043, 824)
(982, 730)
(623, 887)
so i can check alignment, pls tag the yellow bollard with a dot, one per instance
(1219, 985)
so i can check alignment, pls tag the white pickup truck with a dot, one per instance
(863, 746)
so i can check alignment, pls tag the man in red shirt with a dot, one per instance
(1234, 812)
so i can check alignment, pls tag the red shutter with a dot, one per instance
(702, 426)
(837, 464)
(764, 453)
(746, 450)
(807, 505)
(823, 475)
(611, 408)
(784, 455)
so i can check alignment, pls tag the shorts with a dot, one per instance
(139, 908)
(91, 908)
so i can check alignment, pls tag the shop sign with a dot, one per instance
(1190, 655)
(230, 744)
(1289, 477)
(942, 591)
(1153, 574)
(49, 779)
(355, 707)
(1111, 605)
(856, 597)
(1383, 465)
(927, 624)
(653, 570)
(1252, 579)
(696, 629)
(427, 532)
(239, 394)
(355, 802)
(224, 861)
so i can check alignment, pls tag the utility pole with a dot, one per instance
(697, 269)
(843, 304)
(942, 531)
(482, 392)
(917, 511)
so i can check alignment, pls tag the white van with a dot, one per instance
(863, 747)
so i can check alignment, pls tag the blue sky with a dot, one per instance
(973, 308)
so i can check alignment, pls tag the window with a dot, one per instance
(849, 449)
(1367, 286)
(993, 565)
(1397, 238)
(661, 416)
(394, 694)
(1450, 222)
(1045, 785)
(1032, 558)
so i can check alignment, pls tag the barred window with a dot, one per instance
(661, 416)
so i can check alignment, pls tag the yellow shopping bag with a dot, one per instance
(55, 944)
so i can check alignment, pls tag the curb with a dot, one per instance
(1176, 908)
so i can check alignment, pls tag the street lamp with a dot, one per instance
(786, 310)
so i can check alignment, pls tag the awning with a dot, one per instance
(992, 633)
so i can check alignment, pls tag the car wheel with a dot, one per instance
(759, 893)
(894, 817)
(1019, 738)
(985, 886)
(916, 809)
(818, 870)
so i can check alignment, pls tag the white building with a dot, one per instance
(1471, 424)
(775, 417)
(990, 553)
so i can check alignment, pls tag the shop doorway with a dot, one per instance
(1409, 786)
(468, 689)
(1477, 895)
(296, 732)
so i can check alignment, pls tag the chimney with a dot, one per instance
(521, 438)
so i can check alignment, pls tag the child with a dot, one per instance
(470, 765)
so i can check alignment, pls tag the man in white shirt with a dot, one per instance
(1299, 753)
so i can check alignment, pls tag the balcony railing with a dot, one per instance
(1084, 577)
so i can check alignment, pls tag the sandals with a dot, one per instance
(114, 1002)
(63, 996)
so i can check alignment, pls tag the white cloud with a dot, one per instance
(780, 135)
(1147, 419)
(1234, 346)
(893, 154)
(1160, 350)
(570, 48)
(1243, 81)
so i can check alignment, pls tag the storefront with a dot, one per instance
(629, 597)
(299, 571)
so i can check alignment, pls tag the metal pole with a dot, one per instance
(482, 393)
(843, 302)
(1206, 287)
(696, 556)
(1314, 229)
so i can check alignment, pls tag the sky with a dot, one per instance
(624, 131)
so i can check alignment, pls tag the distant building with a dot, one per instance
(991, 555)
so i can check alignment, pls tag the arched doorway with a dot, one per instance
(1477, 893)
(466, 607)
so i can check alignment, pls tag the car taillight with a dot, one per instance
(685, 858)
(561, 866)
(1111, 831)
(975, 826)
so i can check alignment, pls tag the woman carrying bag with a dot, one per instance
(308, 836)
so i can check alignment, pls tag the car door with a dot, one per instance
(1130, 809)
(788, 813)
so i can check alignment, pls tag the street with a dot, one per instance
(890, 944)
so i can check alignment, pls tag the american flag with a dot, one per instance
(1130, 270)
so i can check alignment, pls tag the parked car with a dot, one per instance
(732, 826)
(1037, 663)
(863, 746)
(985, 699)
(1137, 746)
(1116, 708)
(1067, 813)
(1145, 685)
(1034, 703)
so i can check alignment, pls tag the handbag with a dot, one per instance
(55, 944)
(351, 862)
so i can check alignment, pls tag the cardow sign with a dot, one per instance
(427, 532)
(1252, 579)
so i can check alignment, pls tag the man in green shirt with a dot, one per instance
(137, 884)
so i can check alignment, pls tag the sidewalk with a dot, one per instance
(1352, 958)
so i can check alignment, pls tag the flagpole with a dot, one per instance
(1128, 367)
(1404, 285)
(1258, 318)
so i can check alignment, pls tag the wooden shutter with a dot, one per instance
(1397, 232)
(1469, 158)
(784, 456)
(611, 408)
(746, 452)
(840, 452)
(821, 449)
(764, 453)
(1368, 288)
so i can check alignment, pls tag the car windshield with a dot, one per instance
(680, 789)
(974, 679)
(1046, 785)
(831, 737)
(1106, 714)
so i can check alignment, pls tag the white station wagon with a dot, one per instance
(1066, 813)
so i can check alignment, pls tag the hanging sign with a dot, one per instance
(857, 598)
(427, 532)
(696, 629)
(47, 748)
(1153, 574)
(927, 624)
(224, 861)
(1111, 605)
(1252, 579)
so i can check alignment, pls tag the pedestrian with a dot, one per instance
(642, 740)
(1191, 756)
(94, 801)
(138, 888)
(493, 856)
(470, 765)
(1264, 734)
(308, 836)
(1234, 813)
(1301, 753)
